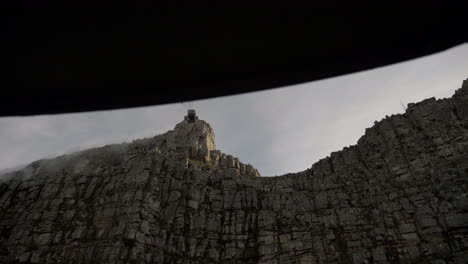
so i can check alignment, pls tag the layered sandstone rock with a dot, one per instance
(398, 196)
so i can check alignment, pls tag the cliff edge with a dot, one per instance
(398, 196)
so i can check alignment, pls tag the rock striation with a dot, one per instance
(398, 196)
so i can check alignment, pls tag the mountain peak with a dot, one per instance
(195, 140)
(193, 136)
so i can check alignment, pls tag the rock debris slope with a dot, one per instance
(398, 196)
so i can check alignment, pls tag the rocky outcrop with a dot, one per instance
(398, 196)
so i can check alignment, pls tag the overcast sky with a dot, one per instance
(277, 131)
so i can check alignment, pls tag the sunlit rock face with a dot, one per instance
(195, 138)
(398, 196)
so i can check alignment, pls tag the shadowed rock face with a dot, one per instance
(398, 196)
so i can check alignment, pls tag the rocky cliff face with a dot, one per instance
(398, 196)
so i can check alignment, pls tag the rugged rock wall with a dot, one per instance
(398, 196)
